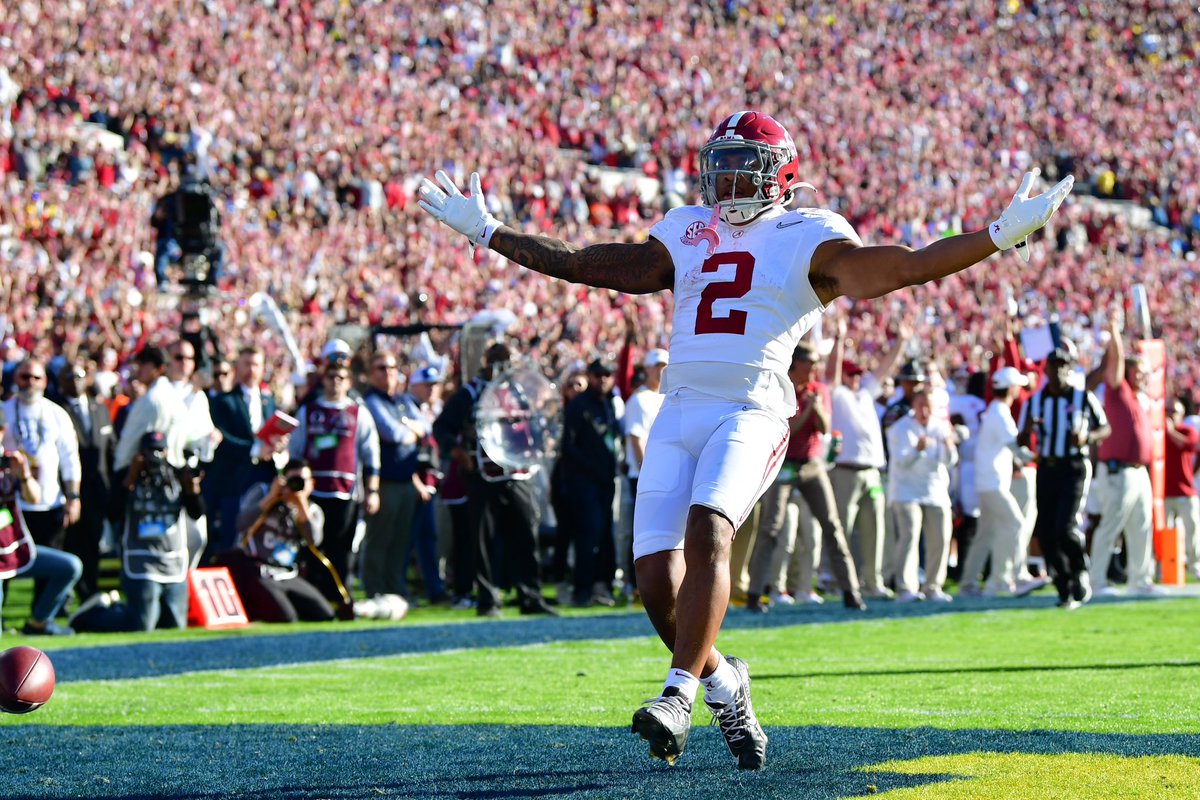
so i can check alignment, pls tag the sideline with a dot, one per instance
(156, 659)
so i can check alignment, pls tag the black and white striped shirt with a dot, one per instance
(1057, 418)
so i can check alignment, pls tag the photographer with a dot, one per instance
(164, 515)
(278, 521)
(20, 556)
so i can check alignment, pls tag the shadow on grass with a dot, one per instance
(153, 659)
(290, 762)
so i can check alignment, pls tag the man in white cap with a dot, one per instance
(335, 350)
(1000, 517)
(640, 411)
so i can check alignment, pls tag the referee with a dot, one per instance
(1065, 421)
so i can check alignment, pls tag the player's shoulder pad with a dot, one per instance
(679, 222)
(820, 222)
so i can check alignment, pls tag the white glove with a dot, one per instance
(1026, 214)
(465, 214)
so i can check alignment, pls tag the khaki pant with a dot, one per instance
(1125, 506)
(777, 539)
(739, 557)
(1025, 493)
(802, 570)
(860, 504)
(775, 547)
(912, 521)
(1183, 513)
(996, 536)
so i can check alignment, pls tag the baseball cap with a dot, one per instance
(850, 368)
(912, 371)
(425, 375)
(656, 357)
(599, 367)
(335, 348)
(1008, 377)
(154, 440)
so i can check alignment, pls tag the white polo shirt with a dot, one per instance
(854, 415)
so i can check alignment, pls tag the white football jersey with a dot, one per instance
(740, 312)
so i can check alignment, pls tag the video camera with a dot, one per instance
(189, 219)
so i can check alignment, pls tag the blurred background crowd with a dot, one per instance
(307, 125)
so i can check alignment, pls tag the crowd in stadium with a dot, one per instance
(313, 122)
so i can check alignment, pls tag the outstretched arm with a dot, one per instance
(842, 267)
(845, 268)
(633, 268)
(626, 267)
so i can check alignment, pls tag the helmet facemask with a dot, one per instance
(746, 161)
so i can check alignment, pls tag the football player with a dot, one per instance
(750, 277)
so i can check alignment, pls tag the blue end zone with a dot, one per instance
(281, 762)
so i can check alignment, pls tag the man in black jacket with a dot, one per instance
(591, 442)
(241, 459)
(94, 429)
(503, 505)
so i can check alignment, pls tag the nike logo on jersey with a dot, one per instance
(788, 224)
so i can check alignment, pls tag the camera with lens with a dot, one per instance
(295, 483)
(5, 461)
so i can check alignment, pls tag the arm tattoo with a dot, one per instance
(633, 268)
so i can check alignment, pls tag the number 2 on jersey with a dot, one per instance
(735, 321)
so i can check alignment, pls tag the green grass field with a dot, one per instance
(970, 701)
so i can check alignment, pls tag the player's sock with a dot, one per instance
(721, 687)
(684, 681)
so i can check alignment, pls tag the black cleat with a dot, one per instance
(745, 738)
(664, 722)
(853, 601)
(538, 606)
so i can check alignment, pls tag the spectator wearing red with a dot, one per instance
(1182, 503)
(1124, 475)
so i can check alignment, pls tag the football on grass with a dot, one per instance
(26, 680)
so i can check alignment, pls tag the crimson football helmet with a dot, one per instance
(750, 145)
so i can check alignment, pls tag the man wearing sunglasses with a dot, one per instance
(337, 437)
(239, 461)
(388, 546)
(201, 435)
(44, 434)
